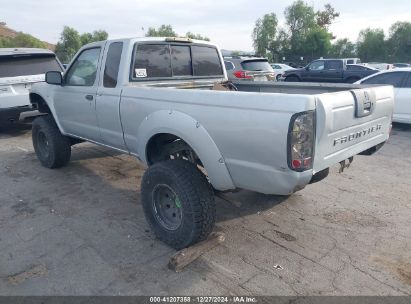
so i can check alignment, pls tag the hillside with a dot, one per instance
(7, 32)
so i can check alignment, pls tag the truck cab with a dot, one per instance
(327, 70)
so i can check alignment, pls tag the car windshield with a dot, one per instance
(256, 65)
(13, 66)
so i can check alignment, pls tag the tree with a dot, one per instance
(99, 35)
(308, 34)
(317, 42)
(371, 45)
(300, 19)
(264, 35)
(162, 31)
(343, 48)
(71, 41)
(399, 41)
(167, 31)
(68, 44)
(327, 16)
(197, 36)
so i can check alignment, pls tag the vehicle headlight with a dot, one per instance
(301, 139)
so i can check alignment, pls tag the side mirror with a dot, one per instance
(54, 77)
(307, 68)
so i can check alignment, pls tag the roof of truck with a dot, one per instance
(156, 39)
(23, 51)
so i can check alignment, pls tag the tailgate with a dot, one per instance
(350, 122)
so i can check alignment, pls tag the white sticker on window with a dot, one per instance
(140, 73)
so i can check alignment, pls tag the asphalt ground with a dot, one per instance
(80, 230)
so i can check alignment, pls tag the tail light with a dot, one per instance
(301, 139)
(242, 74)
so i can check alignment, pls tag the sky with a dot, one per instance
(227, 23)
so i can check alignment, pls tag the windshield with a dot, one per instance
(12, 66)
(256, 65)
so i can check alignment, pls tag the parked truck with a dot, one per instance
(328, 70)
(166, 101)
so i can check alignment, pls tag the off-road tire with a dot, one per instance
(292, 79)
(52, 148)
(196, 199)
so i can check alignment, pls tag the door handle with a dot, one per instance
(89, 97)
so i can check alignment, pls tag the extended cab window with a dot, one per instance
(206, 61)
(152, 60)
(333, 65)
(84, 69)
(112, 65)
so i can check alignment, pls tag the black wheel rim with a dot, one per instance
(167, 207)
(43, 144)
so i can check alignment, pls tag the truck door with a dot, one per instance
(75, 99)
(333, 71)
(314, 72)
(108, 98)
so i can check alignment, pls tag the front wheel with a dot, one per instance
(52, 148)
(178, 203)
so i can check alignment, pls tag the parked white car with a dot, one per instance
(280, 69)
(20, 68)
(401, 80)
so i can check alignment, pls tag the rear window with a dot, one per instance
(256, 65)
(152, 60)
(181, 60)
(206, 61)
(172, 60)
(27, 65)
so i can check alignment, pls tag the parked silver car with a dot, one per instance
(249, 68)
(19, 69)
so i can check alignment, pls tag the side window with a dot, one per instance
(229, 65)
(112, 65)
(394, 78)
(83, 71)
(152, 60)
(333, 65)
(317, 65)
(181, 60)
(206, 61)
(408, 83)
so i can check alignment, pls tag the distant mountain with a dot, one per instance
(7, 32)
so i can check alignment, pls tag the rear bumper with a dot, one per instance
(8, 115)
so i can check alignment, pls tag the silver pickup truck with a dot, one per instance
(167, 102)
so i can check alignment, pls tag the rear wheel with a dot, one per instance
(52, 148)
(292, 79)
(178, 203)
